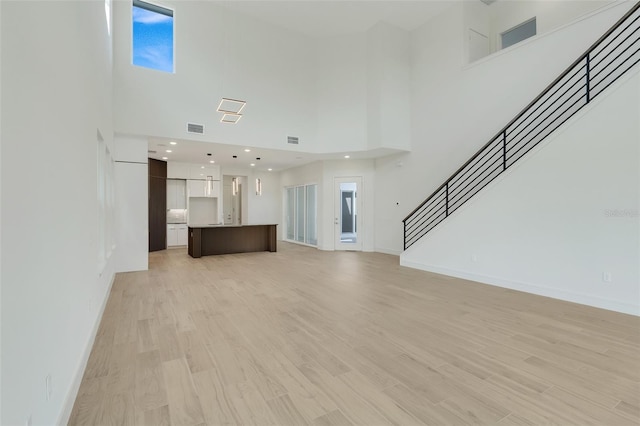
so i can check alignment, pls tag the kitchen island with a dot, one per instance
(208, 240)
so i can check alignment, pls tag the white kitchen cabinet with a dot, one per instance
(176, 194)
(172, 235)
(177, 170)
(197, 171)
(196, 188)
(177, 235)
(203, 188)
(183, 238)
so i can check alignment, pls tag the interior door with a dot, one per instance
(348, 213)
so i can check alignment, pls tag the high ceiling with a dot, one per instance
(324, 18)
(314, 18)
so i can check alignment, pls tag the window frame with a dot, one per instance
(163, 10)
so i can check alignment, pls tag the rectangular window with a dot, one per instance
(152, 36)
(519, 33)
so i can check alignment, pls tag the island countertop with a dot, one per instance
(212, 239)
(220, 225)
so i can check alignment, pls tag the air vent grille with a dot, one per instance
(293, 140)
(195, 128)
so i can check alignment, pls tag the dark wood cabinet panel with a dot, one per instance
(157, 205)
(232, 239)
(157, 168)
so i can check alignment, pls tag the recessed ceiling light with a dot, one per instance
(173, 143)
(202, 167)
(269, 169)
(247, 150)
(211, 161)
(252, 164)
(168, 151)
(346, 156)
(165, 158)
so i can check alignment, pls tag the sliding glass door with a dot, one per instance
(301, 215)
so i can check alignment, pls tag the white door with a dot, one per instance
(348, 213)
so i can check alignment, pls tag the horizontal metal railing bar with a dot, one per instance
(458, 189)
(542, 94)
(578, 69)
(427, 220)
(423, 218)
(427, 207)
(426, 229)
(581, 80)
(477, 185)
(616, 79)
(516, 141)
(613, 70)
(519, 141)
(594, 65)
(559, 124)
(550, 124)
(602, 48)
(454, 182)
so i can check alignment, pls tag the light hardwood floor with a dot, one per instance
(325, 338)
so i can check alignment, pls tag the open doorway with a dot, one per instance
(348, 213)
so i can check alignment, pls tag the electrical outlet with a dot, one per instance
(48, 387)
(606, 277)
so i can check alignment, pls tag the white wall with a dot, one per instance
(549, 15)
(0, 223)
(502, 16)
(560, 218)
(388, 79)
(456, 108)
(218, 54)
(56, 91)
(341, 94)
(132, 205)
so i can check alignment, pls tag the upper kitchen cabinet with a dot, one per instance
(199, 171)
(176, 194)
(177, 170)
(203, 188)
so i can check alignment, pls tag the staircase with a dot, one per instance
(608, 59)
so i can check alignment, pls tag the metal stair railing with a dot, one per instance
(608, 59)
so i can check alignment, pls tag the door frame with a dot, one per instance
(337, 209)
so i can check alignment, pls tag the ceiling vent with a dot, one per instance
(195, 128)
(293, 140)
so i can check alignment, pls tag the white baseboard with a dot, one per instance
(388, 251)
(568, 296)
(70, 399)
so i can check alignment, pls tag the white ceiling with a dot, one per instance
(314, 18)
(324, 18)
(188, 151)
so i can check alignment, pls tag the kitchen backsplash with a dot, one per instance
(177, 216)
